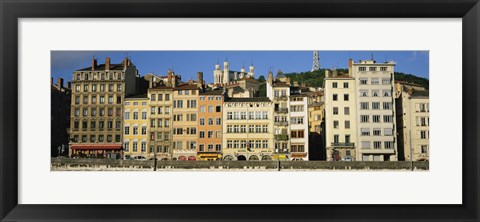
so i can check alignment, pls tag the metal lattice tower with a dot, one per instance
(316, 61)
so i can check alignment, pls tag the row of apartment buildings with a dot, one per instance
(113, 116)
(362, 115)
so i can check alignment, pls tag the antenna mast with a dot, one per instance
(316, 61)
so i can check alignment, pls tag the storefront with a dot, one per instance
(109, 151)
(209, 156)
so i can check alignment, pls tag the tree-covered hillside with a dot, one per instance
(315, 78)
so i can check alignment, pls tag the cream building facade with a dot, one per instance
(340, 117)
(96, 118)
(136, 127)
(248, 129)
(161, 117)
(413, 109)
(375, 111)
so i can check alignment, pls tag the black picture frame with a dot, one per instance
(11, 11)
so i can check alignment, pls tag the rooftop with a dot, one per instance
(213, 92)
(138, 96)
(101, 67)
(420, 93)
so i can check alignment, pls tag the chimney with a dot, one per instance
(60, 83)
(327, 73)
(288, 80)
(174, 81)
(170, 77)
(335, 73)
(107, 63)
(350, 67)
(200, 79)
(150, 83)
(69, 85)
(94, 63)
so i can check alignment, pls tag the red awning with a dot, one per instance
(96, 146)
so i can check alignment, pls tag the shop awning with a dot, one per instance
(96, 146)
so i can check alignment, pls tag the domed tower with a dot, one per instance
(217, 74)
(226, 72)
(251, 71)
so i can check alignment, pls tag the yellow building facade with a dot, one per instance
(136, 127)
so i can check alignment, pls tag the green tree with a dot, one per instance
(261, 79)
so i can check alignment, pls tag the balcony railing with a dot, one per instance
(281, 137)
(343, 144)
(283, 123)
(281, 110)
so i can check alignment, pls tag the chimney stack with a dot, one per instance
(335, 73)
(350, 67)
(170, 77)
(107, 63)
(60, 83)
(270, 77)
(69, 85)
(94, 63)
(200, 79)
(327, 73)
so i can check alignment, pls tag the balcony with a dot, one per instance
(282, 123)
(281, 137)
(281, 110)
(343, 144)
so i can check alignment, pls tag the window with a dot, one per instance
(85, 88)
(336, 138)
(375, 81)
(144, 146)
(364, 118)
(375, 93)
(265, 144)
(346, 110)
(362, 68)
(365, 144)
(135, 115)
(109, 138)
(160, 97)
(376, 118)
(387, 93)
(363, 93)
(210, 121)
(110, 100)
(218, 109)
(218, 121)
(388, 144)
(387, 105)
(202, 121)
(265, 114)
(334, 85)
(335, 124)
(119, 87)
(383, 68)
(345, 97)
(135, 130)
(365, 131)
(210, 134)
(335, 110)
(375, 105)
(167, 97)
(127, 130)
(377, 132)
(347, 124)
(335, 97)
(423, 134)
(218, 98)
(265, 128)
(229, 115)
(363, 81)
(201, 147)
(218, 147)
(387, 119)
(102, 112)
(243, 115)
(377, 144)
(153, 97)
(102, 99)
(386, 81)
(363, 105)
(345, 85)
(202, 134)
(127, 115)
(388, 131)
(135, 146)
(424, 149)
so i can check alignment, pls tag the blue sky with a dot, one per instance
(188, 63)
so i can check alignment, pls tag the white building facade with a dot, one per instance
(225, 75)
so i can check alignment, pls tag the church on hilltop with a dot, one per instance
(225, 75)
